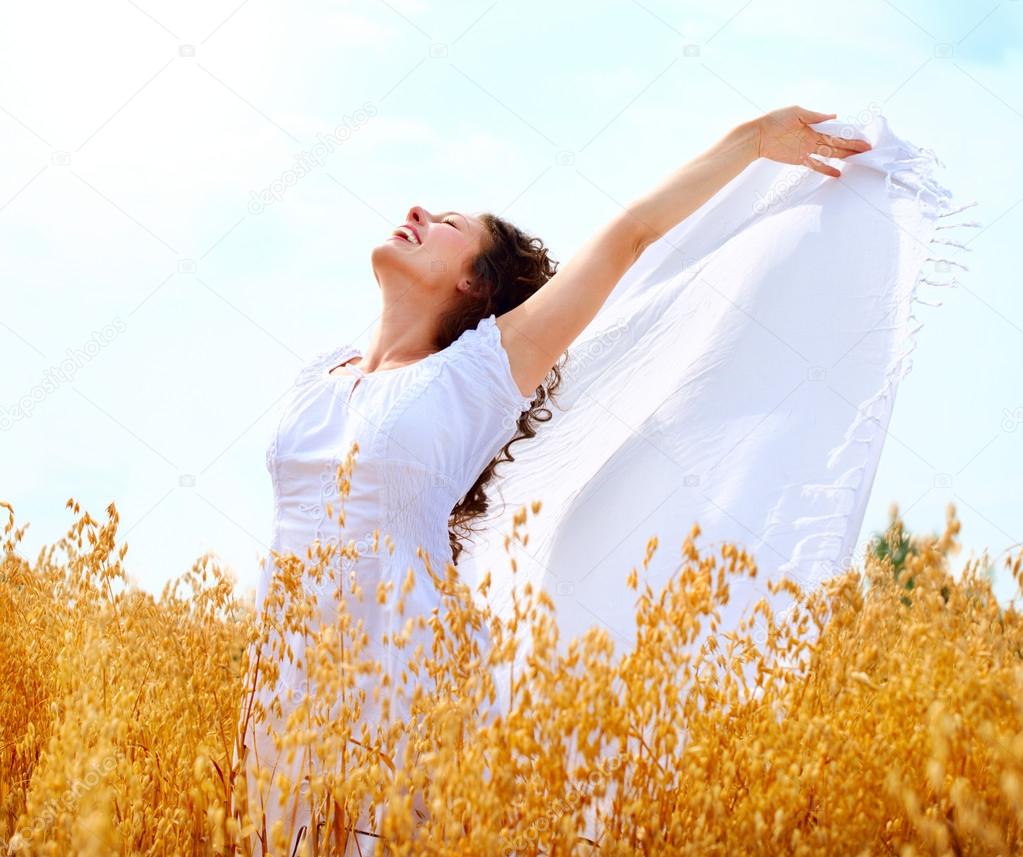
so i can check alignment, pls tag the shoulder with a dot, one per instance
(528, 364)
(485, 336)
(480, 350)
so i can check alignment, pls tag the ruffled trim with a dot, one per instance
(485, 340)
(313, 370)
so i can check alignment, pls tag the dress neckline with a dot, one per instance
(352, 352)
(485, 326)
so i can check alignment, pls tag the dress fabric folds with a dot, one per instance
(741, 375)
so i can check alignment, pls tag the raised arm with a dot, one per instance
(537, 332)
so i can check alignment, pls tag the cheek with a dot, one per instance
(453, 252)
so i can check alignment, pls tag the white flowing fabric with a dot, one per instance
(741, 375)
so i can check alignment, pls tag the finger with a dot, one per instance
(853, 143)
(826, 151)
(809, 116)
(817, 166)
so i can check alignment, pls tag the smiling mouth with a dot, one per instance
(407, 233)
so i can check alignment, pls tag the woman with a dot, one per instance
(475, 318)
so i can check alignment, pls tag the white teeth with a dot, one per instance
(408, 233)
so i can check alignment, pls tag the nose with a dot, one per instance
(417, 214)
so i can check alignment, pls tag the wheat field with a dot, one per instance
(886, 715)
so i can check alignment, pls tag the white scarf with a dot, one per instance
(741, 375)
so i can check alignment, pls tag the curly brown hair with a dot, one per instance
(510, 267)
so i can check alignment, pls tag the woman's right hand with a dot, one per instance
(785, 136)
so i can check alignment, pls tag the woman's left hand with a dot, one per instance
(785, 136)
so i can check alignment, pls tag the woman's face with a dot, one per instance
(435, 251)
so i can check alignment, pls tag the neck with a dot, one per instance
(406, 332)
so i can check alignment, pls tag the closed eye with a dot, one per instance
(449, 219)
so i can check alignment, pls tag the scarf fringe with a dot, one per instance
(832, 549)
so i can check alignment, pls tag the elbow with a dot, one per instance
(630, 235)
(641, 243)
(638, 234)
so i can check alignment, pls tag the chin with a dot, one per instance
(384, 254)
(387, 256)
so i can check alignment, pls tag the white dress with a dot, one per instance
(425, 432)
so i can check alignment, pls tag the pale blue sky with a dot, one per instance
(137, 134)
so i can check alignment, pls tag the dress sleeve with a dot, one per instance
(483, 347)
(487, 395)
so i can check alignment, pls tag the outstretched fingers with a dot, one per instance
(850, 144)
(830, 146)
(809, 160)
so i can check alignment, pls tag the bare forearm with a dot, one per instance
(692, 184)
(540, 328)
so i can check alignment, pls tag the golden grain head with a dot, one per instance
(871, 717)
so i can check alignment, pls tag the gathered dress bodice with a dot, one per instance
(425, 432)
